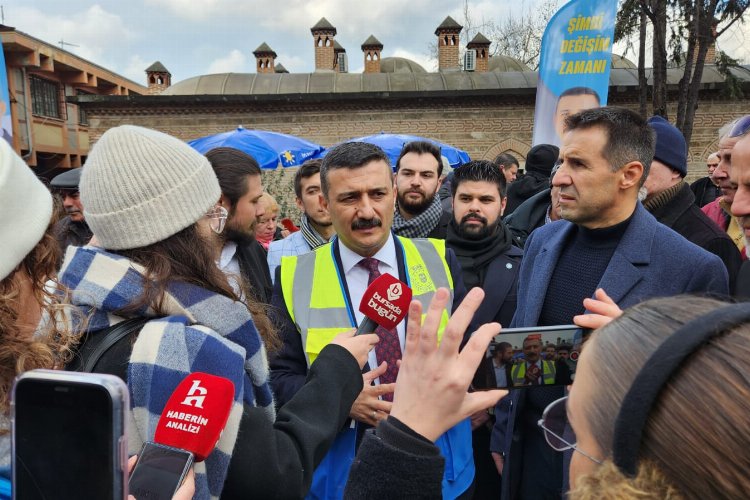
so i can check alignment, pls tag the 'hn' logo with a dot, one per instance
(192, 399)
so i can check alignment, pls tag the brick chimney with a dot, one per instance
(323, 33)
(448, 33)
(158, 78)
(481, 44)
(337, 50)
(265, 59)
(372, 48)
(711, 53)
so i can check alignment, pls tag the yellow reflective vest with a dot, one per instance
(518, 373)
(316, 301)
(315, 298)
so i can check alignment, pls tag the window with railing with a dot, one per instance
(45, 97)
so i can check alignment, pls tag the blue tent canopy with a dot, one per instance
(268, 148)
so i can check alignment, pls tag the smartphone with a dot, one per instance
(68, 436)
(531, 357)
(159, 471)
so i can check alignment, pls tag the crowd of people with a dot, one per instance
(602, 232)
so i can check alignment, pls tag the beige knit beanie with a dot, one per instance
(27, 209)
(140, 186)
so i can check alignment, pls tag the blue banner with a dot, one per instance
(5, 120)
(574, 65)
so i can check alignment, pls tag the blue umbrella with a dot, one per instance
(266, 147)
(393, 143)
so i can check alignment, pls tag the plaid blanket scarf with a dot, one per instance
(420, 225)
(204, 332)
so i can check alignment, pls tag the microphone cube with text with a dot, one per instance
(195, 414)
(384, 303)
(189, 429)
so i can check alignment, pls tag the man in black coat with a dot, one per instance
(671, 201)
(71, 229)
(540, 209)
(706, 189)
(539, 163)
(418, 212)
(489, 260)
(242, 258)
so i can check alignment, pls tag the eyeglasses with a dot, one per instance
(217, 218)
(553, 423)
(741, 127)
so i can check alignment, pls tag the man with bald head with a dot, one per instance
(706, 189)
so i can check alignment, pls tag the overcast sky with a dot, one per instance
(194, 37)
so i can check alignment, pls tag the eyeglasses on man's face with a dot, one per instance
(553, 422)
(217, 218)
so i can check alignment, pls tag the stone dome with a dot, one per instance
(502, 64)
(400, 65)
(621, 62)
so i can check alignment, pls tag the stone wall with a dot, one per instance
(483, 126)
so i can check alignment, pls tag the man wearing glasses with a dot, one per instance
(607, 240)
(242, 257)
(71, 229)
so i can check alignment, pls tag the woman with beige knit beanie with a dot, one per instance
(31, 300)
(151, 202)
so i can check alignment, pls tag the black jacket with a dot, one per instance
(395, 462)
(442, 226)
(279, 458)
(705, 191)
(524, 188)
(528, 216)
(684, 217)
(254, 268)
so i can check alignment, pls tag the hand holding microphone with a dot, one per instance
(188, 430)
(385, 303)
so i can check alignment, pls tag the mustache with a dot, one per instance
(477, 217)
(71, 211)
(366, 223)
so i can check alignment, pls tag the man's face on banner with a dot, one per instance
(570, 105)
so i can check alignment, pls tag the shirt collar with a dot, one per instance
(227, 253)
(386, 255)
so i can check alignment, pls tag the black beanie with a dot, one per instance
(671, 148)
(542, 158)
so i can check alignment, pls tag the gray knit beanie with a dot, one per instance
(140, 186)
(27, 209)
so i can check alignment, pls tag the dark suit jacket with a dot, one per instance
(289, 366)
(650, 261)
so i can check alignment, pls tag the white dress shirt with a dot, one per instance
(229, 263)
(356, 280)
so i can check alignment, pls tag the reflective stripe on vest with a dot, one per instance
(317, 303)
(518, 373)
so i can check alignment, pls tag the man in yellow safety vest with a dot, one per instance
(318, 294)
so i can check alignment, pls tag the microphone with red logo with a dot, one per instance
(384, 303)
(188, 430)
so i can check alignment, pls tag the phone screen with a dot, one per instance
(528, 357)
(64, 441)
(159, 472)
